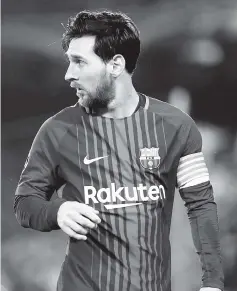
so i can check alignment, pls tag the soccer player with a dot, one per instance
(117, 156)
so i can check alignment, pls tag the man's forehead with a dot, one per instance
(81, 46)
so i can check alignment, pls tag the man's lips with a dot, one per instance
(75, 86)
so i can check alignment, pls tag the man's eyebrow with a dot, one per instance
(74, 56)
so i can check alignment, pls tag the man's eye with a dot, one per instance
(80, 62)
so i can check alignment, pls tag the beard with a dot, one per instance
(101, 97)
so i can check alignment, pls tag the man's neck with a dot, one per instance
(125, 102)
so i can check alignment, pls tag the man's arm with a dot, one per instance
(196, 190)
(38, 181)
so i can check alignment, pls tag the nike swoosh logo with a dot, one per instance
(113, 206)
(89, 161)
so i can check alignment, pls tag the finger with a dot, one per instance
(79, 204)
(83, 221)
(89, 212)
(92, 216)
(96, 211)
(76, 227)
(73, 234)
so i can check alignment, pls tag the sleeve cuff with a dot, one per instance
(53, 211)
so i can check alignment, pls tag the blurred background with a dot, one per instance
(188, 58)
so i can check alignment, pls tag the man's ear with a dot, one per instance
(117, 65)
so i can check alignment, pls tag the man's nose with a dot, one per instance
(71, 73)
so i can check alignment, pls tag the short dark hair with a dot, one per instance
(115, 34)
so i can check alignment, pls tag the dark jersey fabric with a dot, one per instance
(132, 185)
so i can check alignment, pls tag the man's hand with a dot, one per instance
(210, 289)
(75, 218)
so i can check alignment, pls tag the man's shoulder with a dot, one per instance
(168, 112)
(68, 114)
(60, 122)
(65, 117)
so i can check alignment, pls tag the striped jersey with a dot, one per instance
(128, 170)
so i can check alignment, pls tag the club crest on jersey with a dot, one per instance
(150, 158)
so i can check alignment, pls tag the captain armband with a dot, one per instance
(192, 170)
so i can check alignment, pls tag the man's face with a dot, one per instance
(88, 74)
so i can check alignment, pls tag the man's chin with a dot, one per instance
(93, 104)
(82, 98)
(83, 102)
(80, 93)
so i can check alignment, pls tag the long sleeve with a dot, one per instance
(197, 192)
(38, 181)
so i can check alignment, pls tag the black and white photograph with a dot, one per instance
(119, 145)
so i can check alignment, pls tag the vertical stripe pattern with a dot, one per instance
(141, 259)
(94, 128)
(142, 124)
(155, 216)
(117, 223)
(91, 183)
(123, 223)
(126, 249)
